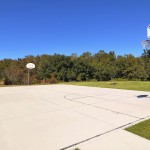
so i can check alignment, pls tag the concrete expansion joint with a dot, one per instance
(113, 111)
(101, 134)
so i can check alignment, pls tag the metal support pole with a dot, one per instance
(28, 76)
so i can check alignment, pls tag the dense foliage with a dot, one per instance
(101, 66)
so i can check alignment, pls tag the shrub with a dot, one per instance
(53, 80)
(76, 149)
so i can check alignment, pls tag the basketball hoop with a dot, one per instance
(146, 43)
(30, 66)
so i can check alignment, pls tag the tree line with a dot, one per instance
(101, 66)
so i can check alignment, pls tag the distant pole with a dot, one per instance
(28, 76)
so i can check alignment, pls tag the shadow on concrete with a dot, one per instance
(142, 96)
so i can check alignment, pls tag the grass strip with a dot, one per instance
(142, 129)
(127, 85)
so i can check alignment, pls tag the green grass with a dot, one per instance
(142, 129)
(128, 85)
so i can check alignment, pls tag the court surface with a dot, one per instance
(62, 117)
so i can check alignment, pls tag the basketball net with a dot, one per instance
(146, 44)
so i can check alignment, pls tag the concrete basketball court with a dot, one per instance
(62, 117)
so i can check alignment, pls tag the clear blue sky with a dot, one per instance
(32, 27)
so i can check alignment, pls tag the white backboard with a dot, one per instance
(30, 66)
(148, 32)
